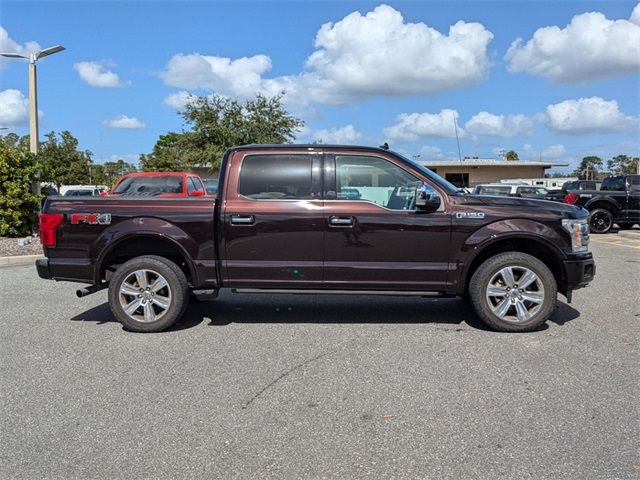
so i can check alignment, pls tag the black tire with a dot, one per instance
(600, 220)
(625, 225)
(156, 310)
(543, 290)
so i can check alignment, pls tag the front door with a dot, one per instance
(375, 239)
(272, 221)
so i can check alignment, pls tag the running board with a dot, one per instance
(342, 292)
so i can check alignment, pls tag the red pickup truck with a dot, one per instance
(159, 184)
(320, 219)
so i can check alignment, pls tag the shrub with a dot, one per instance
(18, 205)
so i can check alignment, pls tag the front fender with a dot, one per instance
(489, 235)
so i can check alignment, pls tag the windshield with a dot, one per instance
(448, 186)
(155, 185)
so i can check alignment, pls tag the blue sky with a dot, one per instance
(392, 72)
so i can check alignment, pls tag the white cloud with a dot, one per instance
(591, 46)
(429, 152)
(339, 135)
(123, 121)
(413, 126)
(14, 108)
(504, 126)
(358, 57)
(127, 157)
(8, 45)
(548, 153)
(380, 54)
(97, 75)
(179, 99)
(589, 115)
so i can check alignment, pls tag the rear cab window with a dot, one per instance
(276, 177)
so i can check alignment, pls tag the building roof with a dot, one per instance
(481, 162)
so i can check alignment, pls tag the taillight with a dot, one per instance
(570, 198)
(49, 222)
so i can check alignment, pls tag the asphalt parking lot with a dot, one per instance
(258, 386)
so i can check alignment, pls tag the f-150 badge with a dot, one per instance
(469, 214)
(91, 218)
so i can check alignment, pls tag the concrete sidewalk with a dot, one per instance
(17, 260)
(633, 234)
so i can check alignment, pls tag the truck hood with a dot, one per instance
(516, 203)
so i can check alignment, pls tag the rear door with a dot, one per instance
(273, 220)
(374, 237)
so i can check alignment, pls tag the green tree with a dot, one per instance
(623, 164)
(61, 162)
(216, 124)
(109, 172)
(589, 168)
(18, 205)
(511, 155)
(167, 155)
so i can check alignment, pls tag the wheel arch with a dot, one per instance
(143, 243)
(537, 247)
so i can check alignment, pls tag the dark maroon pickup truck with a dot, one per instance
(320, 219)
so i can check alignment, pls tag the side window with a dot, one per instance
(375, 180)
(191, 187)
(275, 177)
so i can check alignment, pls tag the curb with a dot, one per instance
(19, 260)
(633, 234)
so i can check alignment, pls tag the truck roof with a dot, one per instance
(309, 146)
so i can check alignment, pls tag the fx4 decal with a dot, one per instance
(469, 214)
(91, 218)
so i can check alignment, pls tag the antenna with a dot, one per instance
(457, 139)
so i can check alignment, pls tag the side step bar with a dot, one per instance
(343, 292)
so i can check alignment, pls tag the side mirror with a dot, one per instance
(197, 193)
(427, 199)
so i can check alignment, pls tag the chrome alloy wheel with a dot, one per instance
(145, 296)
(515, 294)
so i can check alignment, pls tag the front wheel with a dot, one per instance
(600, 220)
(513, 292)
(148, 293)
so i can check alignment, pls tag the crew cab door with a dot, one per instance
(272, 223)
(633, 198)
(375, 239)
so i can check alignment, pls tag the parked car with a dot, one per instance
(159, 184)
(528, 191)
(81, 191)
(617, 201)
(279, 227)
(558, 195)
(211, 186)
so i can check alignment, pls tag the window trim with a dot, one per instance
(330, 179)
(316, 176)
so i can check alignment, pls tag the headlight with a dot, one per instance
(579, 231)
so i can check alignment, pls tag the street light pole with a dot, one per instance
(33, 108)
(33, 98)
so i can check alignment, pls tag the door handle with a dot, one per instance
(242, 219)
(342, 221)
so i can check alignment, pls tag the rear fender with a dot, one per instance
(144, 227)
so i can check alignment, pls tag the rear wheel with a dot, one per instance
(600, 220)
(513, 292)
(148, 293)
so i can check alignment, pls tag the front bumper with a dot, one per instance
(579, 272)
